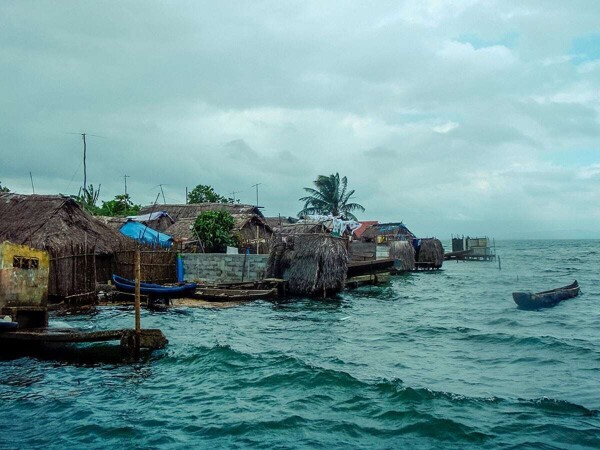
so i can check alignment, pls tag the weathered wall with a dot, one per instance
(23, 286)
(223, 268)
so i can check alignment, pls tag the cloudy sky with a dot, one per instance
(473, 116)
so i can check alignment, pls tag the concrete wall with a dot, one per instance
(223, 268)
(23, 286)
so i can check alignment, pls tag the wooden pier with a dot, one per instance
(150, 339)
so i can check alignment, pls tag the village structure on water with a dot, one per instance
(56, 254)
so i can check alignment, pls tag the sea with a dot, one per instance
(438, 359)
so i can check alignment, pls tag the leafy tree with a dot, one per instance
(214, 230)
(3, 188)
(204, 193)
(120, 206)
(88, 197)
(331, 196)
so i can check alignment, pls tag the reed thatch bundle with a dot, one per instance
(280, 257)
(319, 265)
(431, 251)
(404, 252)
(313, 264)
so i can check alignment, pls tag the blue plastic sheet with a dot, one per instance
(146, 235)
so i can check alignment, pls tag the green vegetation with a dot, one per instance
(120, 206)
(214, 230)
(3, 188)
(204, 193)
(331, 196)
(88, 197)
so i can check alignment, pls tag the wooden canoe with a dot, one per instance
(232, 295)
(545, 299)
(154, 290)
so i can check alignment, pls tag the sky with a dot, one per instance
(474, 117)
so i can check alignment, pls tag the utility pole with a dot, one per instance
(256, 186)
(233, 195)
(83, 135)
(163, 194)
(84, 165)
(125, 178)
(31, 178)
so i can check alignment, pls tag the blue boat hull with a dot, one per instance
(8, 326)
(154, 290)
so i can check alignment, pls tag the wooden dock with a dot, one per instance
(368, 280)
(467, 255)
(151, 339)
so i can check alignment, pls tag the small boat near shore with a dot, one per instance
(233, 295)
(545, 299)
(8, 325)
(154, 290)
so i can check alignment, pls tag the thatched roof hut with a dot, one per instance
(245, 228)
(382, 232)
(313, 264)
(430, 253)
(276, 223)
(404, 252)
(50, 222)
(59, 225)
(159, 220)
(193, 210)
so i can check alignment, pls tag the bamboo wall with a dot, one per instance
(73, 274)
(157, 265)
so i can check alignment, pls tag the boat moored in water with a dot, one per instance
(545, 299)
(154, 290)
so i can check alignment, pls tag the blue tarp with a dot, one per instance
(145, 235)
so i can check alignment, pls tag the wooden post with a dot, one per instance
(257, 244)
(137, 290)
(499, 264)
(137, 300)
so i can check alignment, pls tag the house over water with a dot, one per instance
(80, 247)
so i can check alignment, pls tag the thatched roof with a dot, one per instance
(276, 222)
(301, 228)
(159, 221)
(431, 251)
(114, 222)
(313, 264)
(53, 221)
(393, 230)
(182, 228)
(193, 210)
(364, 224)
(404, 252)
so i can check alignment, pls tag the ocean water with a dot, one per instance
(432, 360)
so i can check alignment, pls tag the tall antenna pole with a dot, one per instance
(32, 187)
(84, 165)
(256, 186)
(125, 178)
(233, 195)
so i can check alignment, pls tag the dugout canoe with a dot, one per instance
(545, 299)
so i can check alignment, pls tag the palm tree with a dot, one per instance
(330, 197)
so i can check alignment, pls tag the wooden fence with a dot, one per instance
(73, 274)
(157, 265)
(75, 270)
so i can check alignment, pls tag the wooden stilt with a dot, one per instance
(138, 326)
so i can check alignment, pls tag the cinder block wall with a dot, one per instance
(222, 268)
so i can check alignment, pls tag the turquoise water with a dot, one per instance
(433, 360)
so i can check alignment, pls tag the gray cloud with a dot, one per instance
(441, 114)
